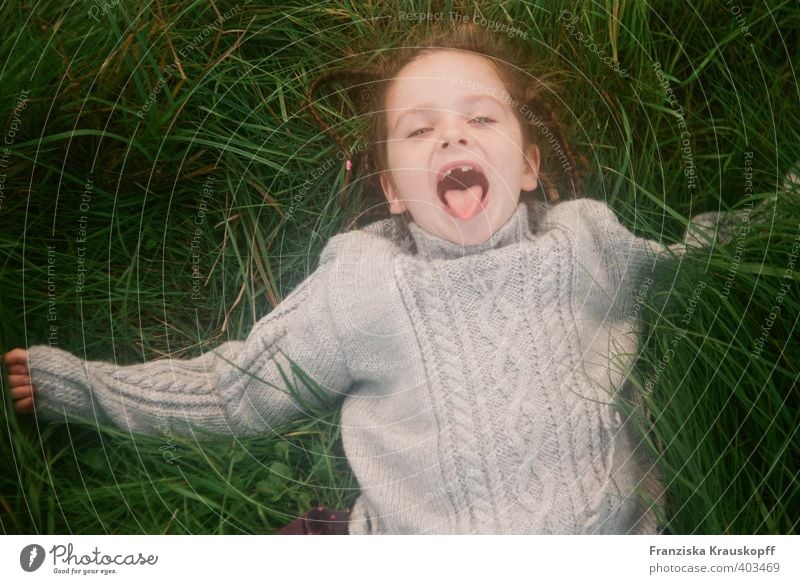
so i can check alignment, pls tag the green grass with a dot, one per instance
(724, 421)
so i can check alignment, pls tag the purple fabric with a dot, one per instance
(319, 521)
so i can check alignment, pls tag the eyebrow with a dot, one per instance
(427, 106)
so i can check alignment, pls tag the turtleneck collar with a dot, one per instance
(430, 246)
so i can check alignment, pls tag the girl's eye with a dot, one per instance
(482, 120)
(417, 132)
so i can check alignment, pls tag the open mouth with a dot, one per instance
(463, 189)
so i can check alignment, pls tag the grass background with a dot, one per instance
(154, 100)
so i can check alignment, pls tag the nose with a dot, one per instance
(452, 134)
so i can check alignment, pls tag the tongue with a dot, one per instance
(464, 204)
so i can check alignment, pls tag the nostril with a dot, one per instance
(446, 143)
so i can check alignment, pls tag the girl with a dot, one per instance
(470, 338)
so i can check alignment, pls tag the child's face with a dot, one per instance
(464, 117)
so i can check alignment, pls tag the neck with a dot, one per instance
(431, 246)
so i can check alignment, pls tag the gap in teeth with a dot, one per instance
(463, 169)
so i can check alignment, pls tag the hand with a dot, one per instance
(22, 390)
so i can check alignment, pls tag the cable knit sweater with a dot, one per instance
(478, 382)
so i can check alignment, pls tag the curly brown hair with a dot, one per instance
(532, 92)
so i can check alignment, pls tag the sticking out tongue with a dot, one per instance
(464, 204)
(463, 192)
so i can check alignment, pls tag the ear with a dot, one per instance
(396, 206)
(530, 172)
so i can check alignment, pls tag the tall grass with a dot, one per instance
(201, 159)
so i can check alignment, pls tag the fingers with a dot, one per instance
(17, 355)
(18, 369)
(17, 360)
(24, 406)
(22, 398)
(22, 391)
(16, 380)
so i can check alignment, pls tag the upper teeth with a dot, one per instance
(463, 169)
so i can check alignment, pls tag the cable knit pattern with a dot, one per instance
(478, 392)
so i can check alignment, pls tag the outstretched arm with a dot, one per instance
(626, 261)
(240, 387)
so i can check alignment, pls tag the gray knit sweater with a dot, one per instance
(478, 382)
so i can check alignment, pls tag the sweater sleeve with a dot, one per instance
(630, 262)
(239, 388)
